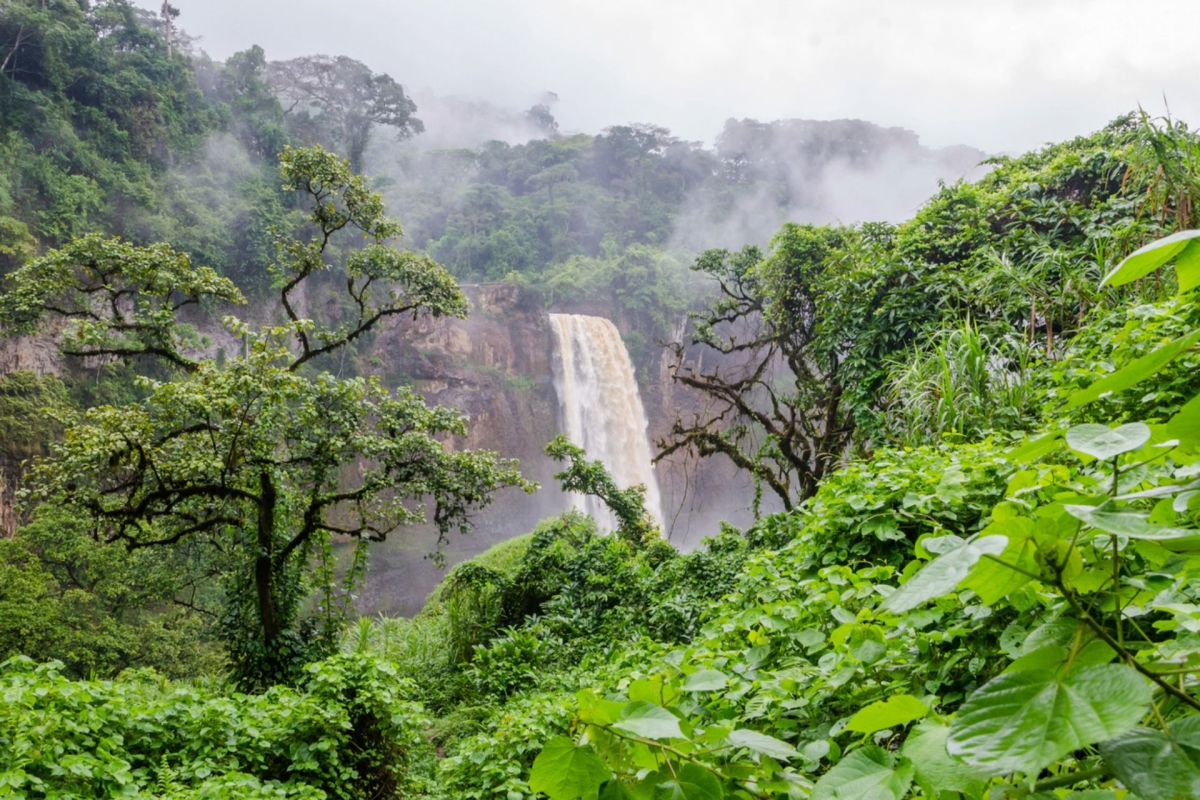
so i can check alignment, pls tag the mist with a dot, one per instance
(822, 173)
(455, 122)
(1005, 76)
(758, 175)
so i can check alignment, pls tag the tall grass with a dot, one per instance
(964, 383)
(461, 613)
(411, 644)
(1168, 163)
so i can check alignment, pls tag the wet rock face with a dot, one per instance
(37, 354)
(494, 367)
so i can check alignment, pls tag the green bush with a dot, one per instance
(100, 609)
(873, 511)
(348, 732)
(1117, 337)
(493, 760)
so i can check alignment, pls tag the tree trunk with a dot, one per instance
(264, 562)
(356, 144)
(16, 46)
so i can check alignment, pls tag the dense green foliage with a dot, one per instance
(103, 128)
(29, 409)
(586, 477)
(348, 731)
(98, 609)
(92, 107)
(525, 207)
(107, 126)
(984, 424)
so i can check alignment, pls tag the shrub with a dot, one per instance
(873, 511)
(99, 608)
(347, 733)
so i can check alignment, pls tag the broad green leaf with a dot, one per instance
(1103, 442)
(1187, 268)
(1122, 523)
(1094, 652)
(940, 545)
(615, 790)
(1161, 515)
(1136, 526)
(706, 680)
(1135, 371)
(649, 721)
(1052, 657)
(1145, 260)
(1060, 631)
(943, 574)
(992, 580)
(867, 774)
(1047, 658)
(1185, 425)
(762, 744)
(815, 751)
(1035, 449)
(1024, 721)
(656, 691)
(898, 710)
(691, 782)
(936, 771)
(1159, 491)
(596, 709)
(1163, 766)
(563, 771)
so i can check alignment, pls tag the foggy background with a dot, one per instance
(1003, 76)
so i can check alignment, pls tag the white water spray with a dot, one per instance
(601, 410)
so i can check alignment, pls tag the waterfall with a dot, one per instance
(600, 408)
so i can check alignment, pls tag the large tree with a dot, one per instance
(769, 357)
(336, 100)
(263, 453)
(256, 117)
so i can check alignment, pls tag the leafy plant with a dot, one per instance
(347, 732)
(99, 609)
(634, 523)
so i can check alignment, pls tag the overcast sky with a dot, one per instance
(1003, 75)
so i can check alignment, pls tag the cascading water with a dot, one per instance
(601, 410)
